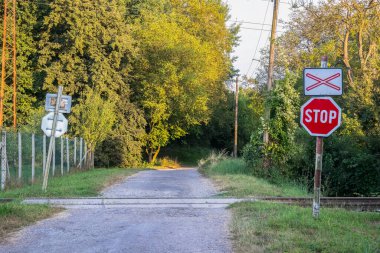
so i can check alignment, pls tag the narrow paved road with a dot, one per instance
(133, 230)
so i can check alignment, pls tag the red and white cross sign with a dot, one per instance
(323, 81)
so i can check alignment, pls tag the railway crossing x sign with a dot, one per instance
(323, 81)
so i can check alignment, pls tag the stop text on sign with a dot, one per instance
(320, 116)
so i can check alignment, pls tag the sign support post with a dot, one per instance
(318, 164)
(52, 139)
(236, 116)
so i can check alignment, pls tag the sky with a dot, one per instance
(253, 13)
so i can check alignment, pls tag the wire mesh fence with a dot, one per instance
(23, 158)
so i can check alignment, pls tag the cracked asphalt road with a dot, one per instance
(123, 229)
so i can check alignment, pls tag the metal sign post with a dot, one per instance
(3, 160)
(52, 139)
(318, 164)
(321, 116)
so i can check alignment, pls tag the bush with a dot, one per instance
(212, 159)
(351, 164)
(230, 166)
(167, 162)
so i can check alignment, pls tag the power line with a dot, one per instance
(259, 61)
(258, 42)
(247, 22)
(255, 29)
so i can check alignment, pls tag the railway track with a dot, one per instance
(5, 200)
(352, 203)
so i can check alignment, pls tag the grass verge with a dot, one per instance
(79, 184)
(13, 216)
(234, 179)
(269, 227)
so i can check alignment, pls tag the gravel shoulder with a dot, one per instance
(135, 229)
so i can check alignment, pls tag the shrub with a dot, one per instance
(212, 159)
(167, 163)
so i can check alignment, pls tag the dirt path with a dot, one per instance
(137, 230)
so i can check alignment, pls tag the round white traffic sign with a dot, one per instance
(47, 124)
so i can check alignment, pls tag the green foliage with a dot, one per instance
(26, 45)
(236, 179)
(181, 66)
(81, 184)
(251, 108)
(352, 166)
(15, 215)
(87, 46)
(166, 162)
(211, 160)
(269, 227)
(93, 118)
(347, 32)
(284, 101)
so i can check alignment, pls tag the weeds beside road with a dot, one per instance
(270, 227)
(82, 184)
(15, 215)
(234, 179)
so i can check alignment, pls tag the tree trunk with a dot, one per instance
(346, 59)
(156, 154)
(150, 156)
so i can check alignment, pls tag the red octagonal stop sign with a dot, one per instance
(320, 116)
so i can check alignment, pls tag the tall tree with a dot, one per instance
(26, 21)
(180, 68)
(87, 44)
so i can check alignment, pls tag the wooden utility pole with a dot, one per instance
(8, 58)
(236, 116)
(271, 66)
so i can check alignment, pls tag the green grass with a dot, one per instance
(234, 179)
(269, 227)
(79, 184)
(14, 215)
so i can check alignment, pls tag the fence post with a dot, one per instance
(43, 153)
(19, 157)
(33, 157)
(53, 155)
(61, 155)
(3, 160)
(67, 154)
(85, 155)
(75, 151)
(80, 152)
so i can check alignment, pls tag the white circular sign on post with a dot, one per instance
(47, 124)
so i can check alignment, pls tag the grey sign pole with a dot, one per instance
(52, 139)
(318, 164)
(3, 160)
